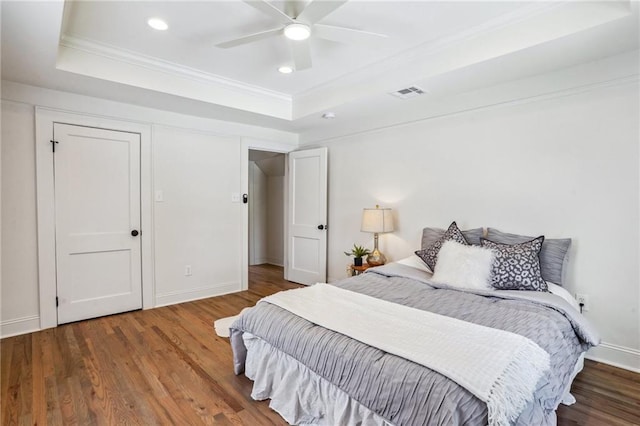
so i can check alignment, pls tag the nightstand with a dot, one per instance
(357, 270)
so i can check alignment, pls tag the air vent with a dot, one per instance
(407, 93)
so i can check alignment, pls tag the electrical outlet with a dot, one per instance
(584, 299)
(187, 271)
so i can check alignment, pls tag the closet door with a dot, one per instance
(97, 207)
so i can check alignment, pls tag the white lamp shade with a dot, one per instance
(376, 220)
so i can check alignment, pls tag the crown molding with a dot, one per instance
(145, 61)
(100, 60)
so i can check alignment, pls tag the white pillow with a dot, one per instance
(464, 266)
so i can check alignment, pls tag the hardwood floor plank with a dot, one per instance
(39, 414)
(54, 415)
(166, 366)
(211, 382)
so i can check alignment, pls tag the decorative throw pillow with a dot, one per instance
(554, 254)
(464, 266)
(430, 235)
(517, 266)
(429, 255)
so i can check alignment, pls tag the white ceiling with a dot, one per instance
(106, 49)
(194, 28)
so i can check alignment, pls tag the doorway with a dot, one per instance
(266, 216)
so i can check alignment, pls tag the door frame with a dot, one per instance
(44, 120)
(259, 145)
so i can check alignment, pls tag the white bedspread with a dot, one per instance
(499, 367)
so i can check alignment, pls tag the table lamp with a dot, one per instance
(376, 221)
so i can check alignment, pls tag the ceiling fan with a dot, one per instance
(298, 25)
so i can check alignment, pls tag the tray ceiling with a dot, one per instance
(430, 44)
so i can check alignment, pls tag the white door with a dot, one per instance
(307, 236)
(97, 207)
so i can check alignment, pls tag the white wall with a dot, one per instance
(275, 220)
(196, 224)
(196, 163)
(266, 211)
(258, 196)
(567, 166)
(19, 236)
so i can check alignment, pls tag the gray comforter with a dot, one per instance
(405, 393)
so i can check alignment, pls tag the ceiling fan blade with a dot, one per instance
(346, 35)
(250, 38)
(301, 51)
(318, 9)
(269, 9)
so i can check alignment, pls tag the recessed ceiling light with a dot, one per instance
(285, 70)
(329, 115)
(157, 24)
(297, 32)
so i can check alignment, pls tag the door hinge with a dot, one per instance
(53, 145)
(56, 301)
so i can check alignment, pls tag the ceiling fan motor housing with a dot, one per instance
(297, 31)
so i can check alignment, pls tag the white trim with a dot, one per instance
(145, 73)
(16, 326)
(260, 145)
(181, 296)
(617, 356)
(140, 60)
(46, 209)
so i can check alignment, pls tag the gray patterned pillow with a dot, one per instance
(429, 255)
(517, 266)
(554, 254)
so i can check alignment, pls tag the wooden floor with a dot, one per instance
(167, 366)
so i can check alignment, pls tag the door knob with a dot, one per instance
(134, 233)
(321, 227)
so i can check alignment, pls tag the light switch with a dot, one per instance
(235, 197)
(159, 196)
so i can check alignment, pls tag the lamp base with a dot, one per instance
(376, 258)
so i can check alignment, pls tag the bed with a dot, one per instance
(315, 374)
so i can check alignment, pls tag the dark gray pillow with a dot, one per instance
(431, 235)
(517, 266)
(554, 254)
(429, 254)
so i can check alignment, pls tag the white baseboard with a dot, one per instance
(173, 297)
(275, 262)
(618, 356)
(16, 326)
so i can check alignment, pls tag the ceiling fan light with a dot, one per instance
(157, 24)
(297, 32)
(285, 69)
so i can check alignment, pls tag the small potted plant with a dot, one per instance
(358, 252)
